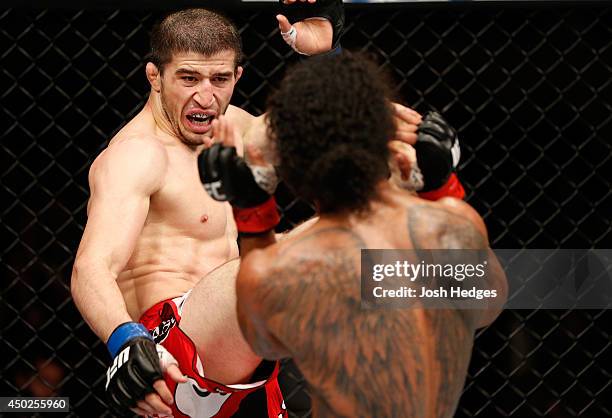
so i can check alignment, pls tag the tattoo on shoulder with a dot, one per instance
(437, 228)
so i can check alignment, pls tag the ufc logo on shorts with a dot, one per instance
(119, 361)
(213, 190)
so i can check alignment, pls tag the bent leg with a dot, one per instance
(209, 319)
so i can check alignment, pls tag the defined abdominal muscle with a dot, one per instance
(148, 280)
(142, 292)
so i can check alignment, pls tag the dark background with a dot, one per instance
(527, 85)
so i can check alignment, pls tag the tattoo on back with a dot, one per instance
(361, 362)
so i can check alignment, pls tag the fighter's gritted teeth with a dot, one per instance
(200, 118)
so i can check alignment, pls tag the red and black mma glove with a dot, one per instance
(438, 153)
(136, 366)
(227, 177)
(332, 10)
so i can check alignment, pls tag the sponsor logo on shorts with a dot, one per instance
(160, 333)
(167, 321)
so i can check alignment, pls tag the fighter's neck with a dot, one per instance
(386, 197)
(162, 123)
(163, 126)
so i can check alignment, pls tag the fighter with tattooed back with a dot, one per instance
(301, 297)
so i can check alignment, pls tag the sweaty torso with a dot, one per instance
(364, 362)
(186, 234)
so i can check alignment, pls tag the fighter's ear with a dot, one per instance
(154, 76)
(238, 73)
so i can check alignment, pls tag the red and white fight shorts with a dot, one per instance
(200, 397)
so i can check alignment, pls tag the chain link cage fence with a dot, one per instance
(528, 87)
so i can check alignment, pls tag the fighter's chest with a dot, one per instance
(182, 203)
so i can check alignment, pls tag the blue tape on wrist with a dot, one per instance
(123, 334)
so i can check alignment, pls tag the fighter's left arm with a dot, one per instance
(253, 307)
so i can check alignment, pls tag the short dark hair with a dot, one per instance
(332, 120)
(193, 30)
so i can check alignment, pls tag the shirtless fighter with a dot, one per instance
(157, 249)
(301, 297)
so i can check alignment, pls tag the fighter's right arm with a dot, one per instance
(121, 179)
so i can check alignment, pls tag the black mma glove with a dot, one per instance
(227, 177)
(332, 10)
(437, 151)
(136, 366)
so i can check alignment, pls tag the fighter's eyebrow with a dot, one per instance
(223, 74)
(187, 71)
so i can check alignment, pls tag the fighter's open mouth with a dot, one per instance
(199, 118)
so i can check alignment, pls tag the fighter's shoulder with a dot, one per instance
(307, 242)
(258, 264)
(446, 223)
(131, 157)
(134, 150)
(461, 209)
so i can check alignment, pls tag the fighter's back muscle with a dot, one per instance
(362, 362)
